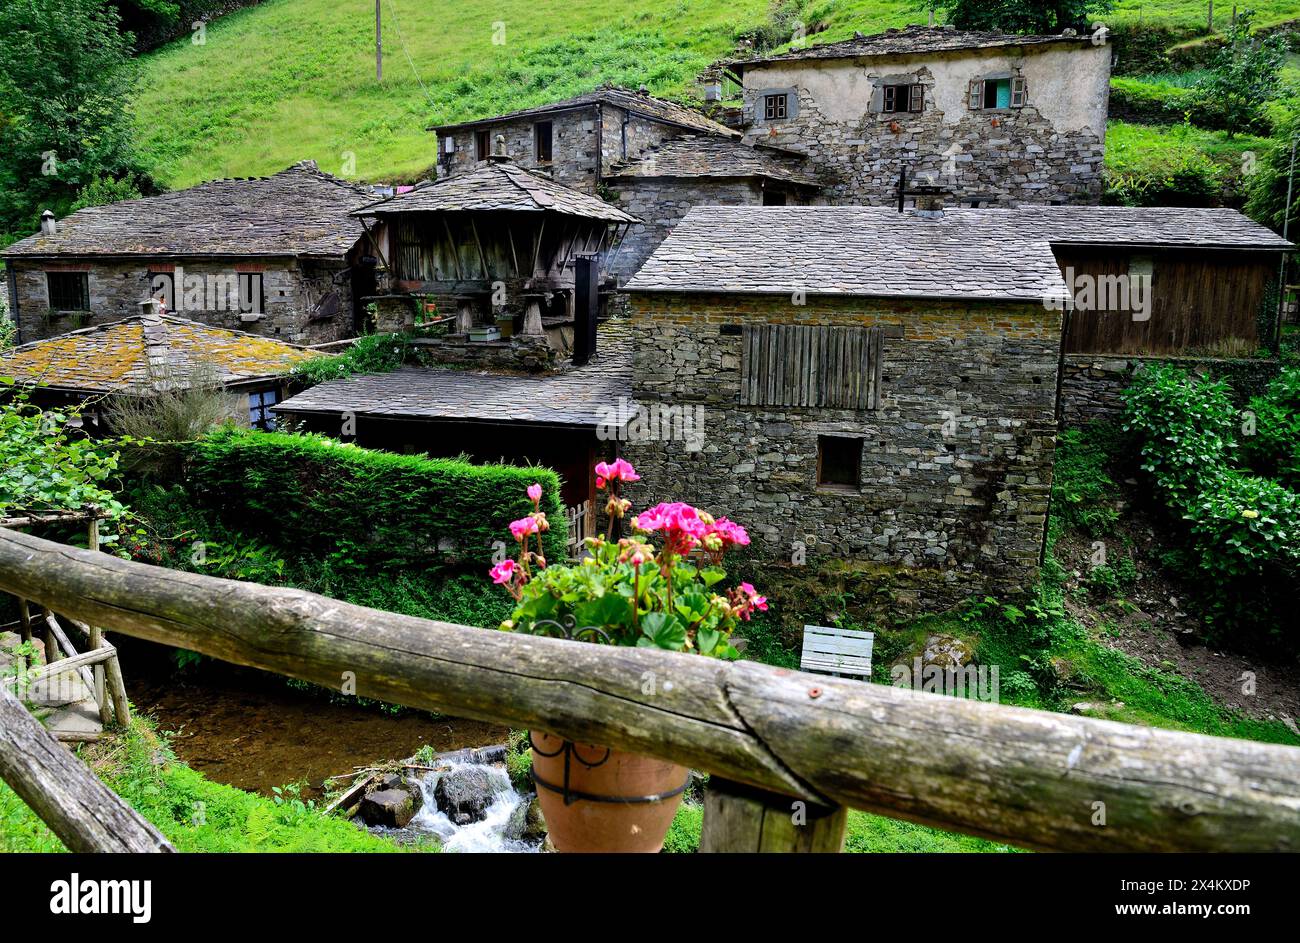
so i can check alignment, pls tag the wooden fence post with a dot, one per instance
(85, 814)
(739, 818)
(97, 637)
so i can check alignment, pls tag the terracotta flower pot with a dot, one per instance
(617, 802)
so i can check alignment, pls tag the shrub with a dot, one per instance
(1243, 530)
(1273, 446)
(360, 509)
(43, 468)
(374, 353)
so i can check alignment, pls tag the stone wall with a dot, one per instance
(291, 291)
(1092, 384)
(956, 462)
(1049, 150)
(661, 203)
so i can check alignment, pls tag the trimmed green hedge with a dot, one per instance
(364, 509)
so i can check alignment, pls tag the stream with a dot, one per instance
(486, 836)
(250, 729)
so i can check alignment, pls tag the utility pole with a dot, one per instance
(379, 46)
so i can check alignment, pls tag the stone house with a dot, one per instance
(140, 355)
(657, 159)
(1146, 284)
(991, 117)
(665, 182)
(575, 141)
(870, 386)
(275, 256)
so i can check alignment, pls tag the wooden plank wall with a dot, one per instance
(797, 365)
(1203, 303)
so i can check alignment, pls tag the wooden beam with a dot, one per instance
(1031, 778)
(85, 814)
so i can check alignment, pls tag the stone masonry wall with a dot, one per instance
(1051, 150)
(291, 291)
(661, 203)
(1092, 384)
(956, 462)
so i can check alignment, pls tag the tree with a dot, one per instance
(1018, 16)
(1244, 75)
(66, 78)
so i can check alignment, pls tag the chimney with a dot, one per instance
(929, 202)
(643, 91)
(151, 307)
(586, 307)
(49, 225)
(499, 147)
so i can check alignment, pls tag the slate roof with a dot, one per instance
(1172, 226)
(300, 211)
(848, 250)
(141, 352)
(910, 41)
(577, 397)
(693, 156)
(497, 185)
(659, 109)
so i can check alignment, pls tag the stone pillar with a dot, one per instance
(533, 316)
(464, 313)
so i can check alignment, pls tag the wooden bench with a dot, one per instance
(836, 652)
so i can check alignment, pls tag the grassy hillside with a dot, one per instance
(294, 79)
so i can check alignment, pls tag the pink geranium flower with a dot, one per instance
(523, 527)
(680, 524)
(730, 533)
(503, 572)
(618, 470)
(535, 493)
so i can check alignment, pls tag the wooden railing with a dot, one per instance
(775, 739)
(98, 667)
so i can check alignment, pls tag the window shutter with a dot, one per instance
(878, 99)
(917, 102)
(891, 98)
(976, 101)
(828, 367)
(1018, 92)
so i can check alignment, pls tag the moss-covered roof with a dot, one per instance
(143, 352)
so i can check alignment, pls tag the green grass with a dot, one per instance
(289, 80)
(1153, 165)
(194, 813)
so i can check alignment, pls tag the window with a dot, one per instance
(798, 365)
(68, 291)
(997, 93)
(482, 144)
(251, 297)
(773, 198)
(542, 141)
(259, 409)
(899, 98)
(776, 107)
(839, 463)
